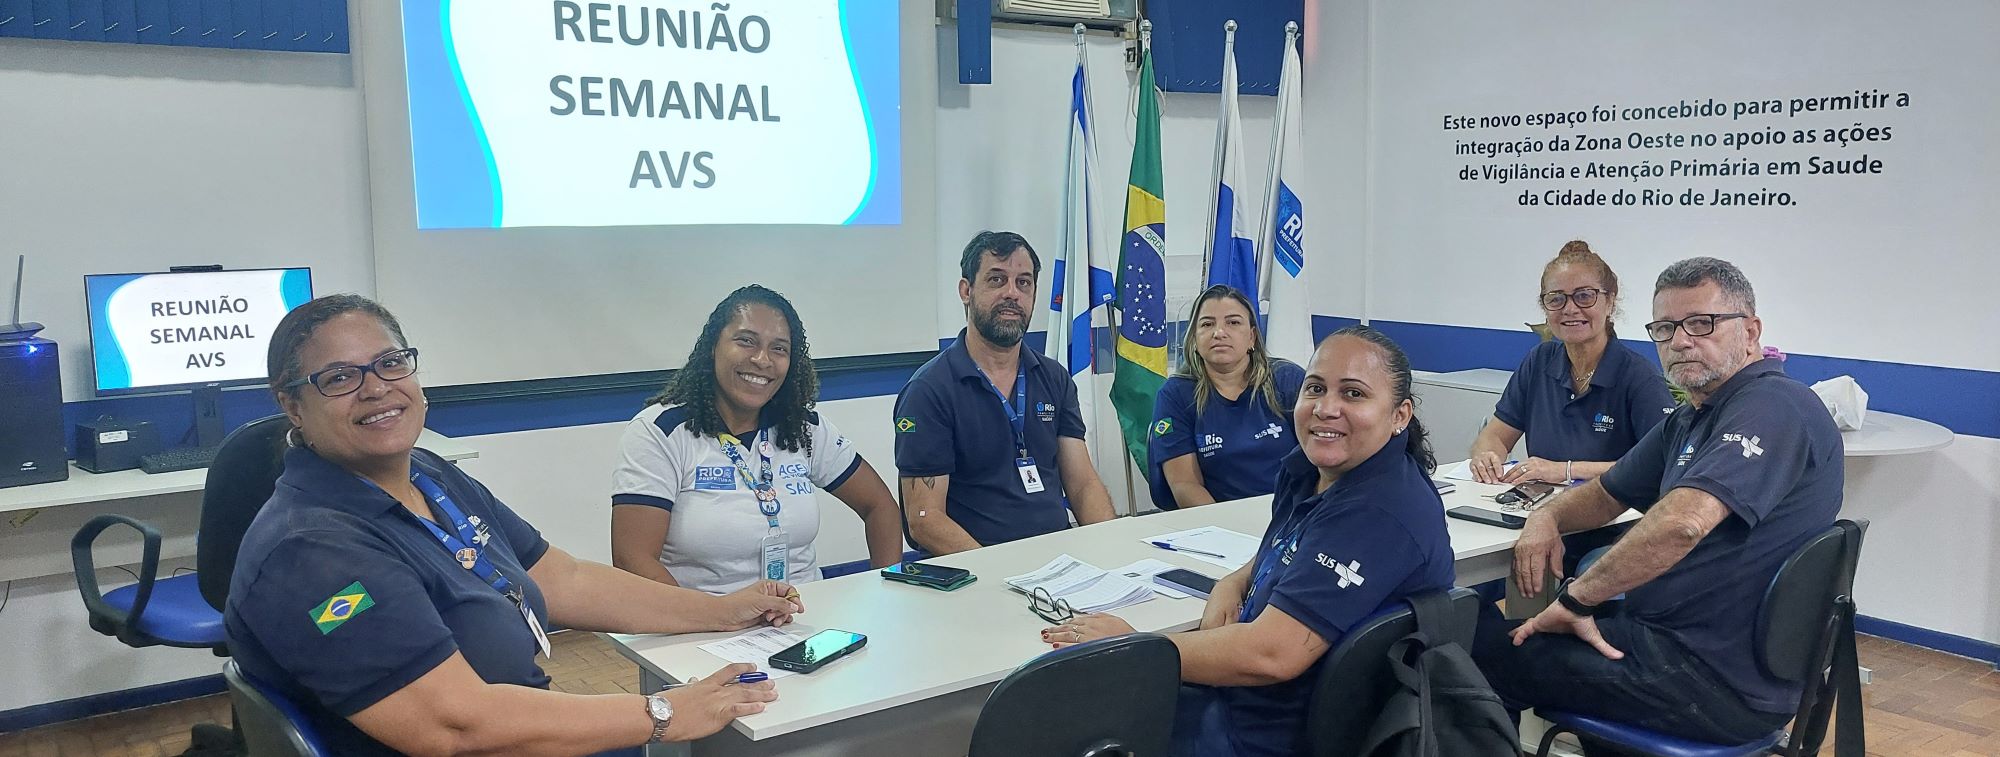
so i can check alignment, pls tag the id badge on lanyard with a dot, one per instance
(775, 549)
(1017, 417)
(465, 546)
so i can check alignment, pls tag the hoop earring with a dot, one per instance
(293, 438)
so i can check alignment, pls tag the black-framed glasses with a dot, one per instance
(1047, 607)
(1699, 324)
(1584, 298)
(347, 379)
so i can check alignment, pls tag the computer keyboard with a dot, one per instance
(177, 459)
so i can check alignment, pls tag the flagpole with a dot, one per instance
(1221, 144)
(1084, 294)
(1267, 252)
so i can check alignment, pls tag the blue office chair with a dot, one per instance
(1130, 682)
(185, 610)
(154, 611)
(272, 725)
(1804, 634)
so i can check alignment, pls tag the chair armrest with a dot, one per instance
(80, 547)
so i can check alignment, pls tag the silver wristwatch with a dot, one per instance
(662, 712)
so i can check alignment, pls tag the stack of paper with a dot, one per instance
(1086, 587)
(1214, 545)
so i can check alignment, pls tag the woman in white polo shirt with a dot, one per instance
(718, 478)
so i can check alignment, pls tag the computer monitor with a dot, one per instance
(188, 330)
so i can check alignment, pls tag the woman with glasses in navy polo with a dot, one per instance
(401, 605)
(1582, 398)
(1356, 528)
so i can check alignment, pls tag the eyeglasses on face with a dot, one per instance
(1584, 298)
(1699, 324)
(347, 379)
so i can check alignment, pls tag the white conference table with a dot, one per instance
(1883, 434)
(933, 656)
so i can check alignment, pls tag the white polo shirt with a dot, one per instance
(714, 537)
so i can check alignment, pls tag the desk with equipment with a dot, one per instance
(933, 656)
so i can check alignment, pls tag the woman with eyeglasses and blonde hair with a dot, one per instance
(1223, 422)
(1582, 398)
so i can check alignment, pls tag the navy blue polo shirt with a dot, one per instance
(1627, 397)
(1239, 441)
(1765, 446)
(341, 598)
(1332, 560)
(950, 423)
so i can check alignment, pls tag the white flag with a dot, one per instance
(1081, 282)
(1231, 256)
(1288, 320)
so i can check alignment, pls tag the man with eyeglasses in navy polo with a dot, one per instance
(1731, 484)
(989, 436)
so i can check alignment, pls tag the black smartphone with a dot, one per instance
(1187, 581)
(818, 650)
(1525, 493)
(925, 574)
(1488, 517)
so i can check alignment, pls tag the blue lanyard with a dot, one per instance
(1267, 562)
(767, 495)
(461, 544)
(1017, 411)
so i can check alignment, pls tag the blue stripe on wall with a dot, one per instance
(110, 701)
(502, 415)
(1929, 639)
(172, 415)
(1965, 401)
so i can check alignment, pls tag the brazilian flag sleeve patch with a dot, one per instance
(906, 424)
(341, 607)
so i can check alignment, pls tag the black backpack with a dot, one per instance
(1442, 706)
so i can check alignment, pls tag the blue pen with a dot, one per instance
(755, 676)
(1169, 546)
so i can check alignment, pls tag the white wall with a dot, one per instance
(1000, 153)
(258, 159)
(1887, 268)
(125, 158)
(135, 158)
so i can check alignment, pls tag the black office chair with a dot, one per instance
(1807, 608)
(241, 478)
(1355, 680)
(272, 726)
(1112, 697)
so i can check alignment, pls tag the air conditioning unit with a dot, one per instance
(1096, 14)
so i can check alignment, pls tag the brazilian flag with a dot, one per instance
(1141, 365)
(341, 607)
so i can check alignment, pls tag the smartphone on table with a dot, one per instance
(1488, 517)
(1526, 494)
(925, 574)
(818, 650)
(1187, 581)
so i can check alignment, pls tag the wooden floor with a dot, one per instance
(1921, 704)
